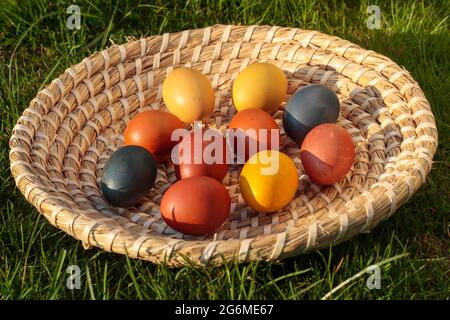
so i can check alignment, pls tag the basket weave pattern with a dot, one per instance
(63, 139)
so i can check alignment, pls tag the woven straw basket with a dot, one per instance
(63, 139)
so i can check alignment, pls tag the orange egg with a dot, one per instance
(261, 85)
(196, 205)
(152, 130)
(327, 153)
(268, 181)
(254, 131)
(203, 153)
(188, 94)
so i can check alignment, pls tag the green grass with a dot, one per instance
(36, 46)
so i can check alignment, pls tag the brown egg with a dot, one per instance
(202, 153)
(196, 205)
(188, 94)
(327, 153)
(257, 129)
(152, 130)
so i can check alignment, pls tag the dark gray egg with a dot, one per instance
(128, 176)
(307, 108)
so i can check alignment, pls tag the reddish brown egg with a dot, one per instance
(254, 131)
(152, 130)
(327, 153)
(202, 153)
(196, 205)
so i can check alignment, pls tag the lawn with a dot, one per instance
(413, 245)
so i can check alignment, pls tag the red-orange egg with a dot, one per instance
(202, 153)
(255, 131)
(327, 153)
(152, 130)
(196, 205)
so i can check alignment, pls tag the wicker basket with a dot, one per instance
(61, 142)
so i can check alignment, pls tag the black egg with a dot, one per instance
(128, 176)
(307, 108)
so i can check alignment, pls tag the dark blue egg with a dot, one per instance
(128, 176)
(307, 108)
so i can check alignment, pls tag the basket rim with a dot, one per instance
(305, 235)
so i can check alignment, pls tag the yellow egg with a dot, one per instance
(268, 181)
(262, 86)
(188, 94)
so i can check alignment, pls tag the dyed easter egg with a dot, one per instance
(195, 205)
(128, 176)
(327, 153)
(268, 181)
(307, 108)
(202, 153)
(254, 131)
(153, 130)
(261, 85)
(188, 94)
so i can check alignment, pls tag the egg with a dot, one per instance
(188, 94)
(202, 152)
(268, 181)
(153, 130)
(253, 130)
(307, 108)
(128, 176)
(196, 205)
(327, 153)
(261, 85)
